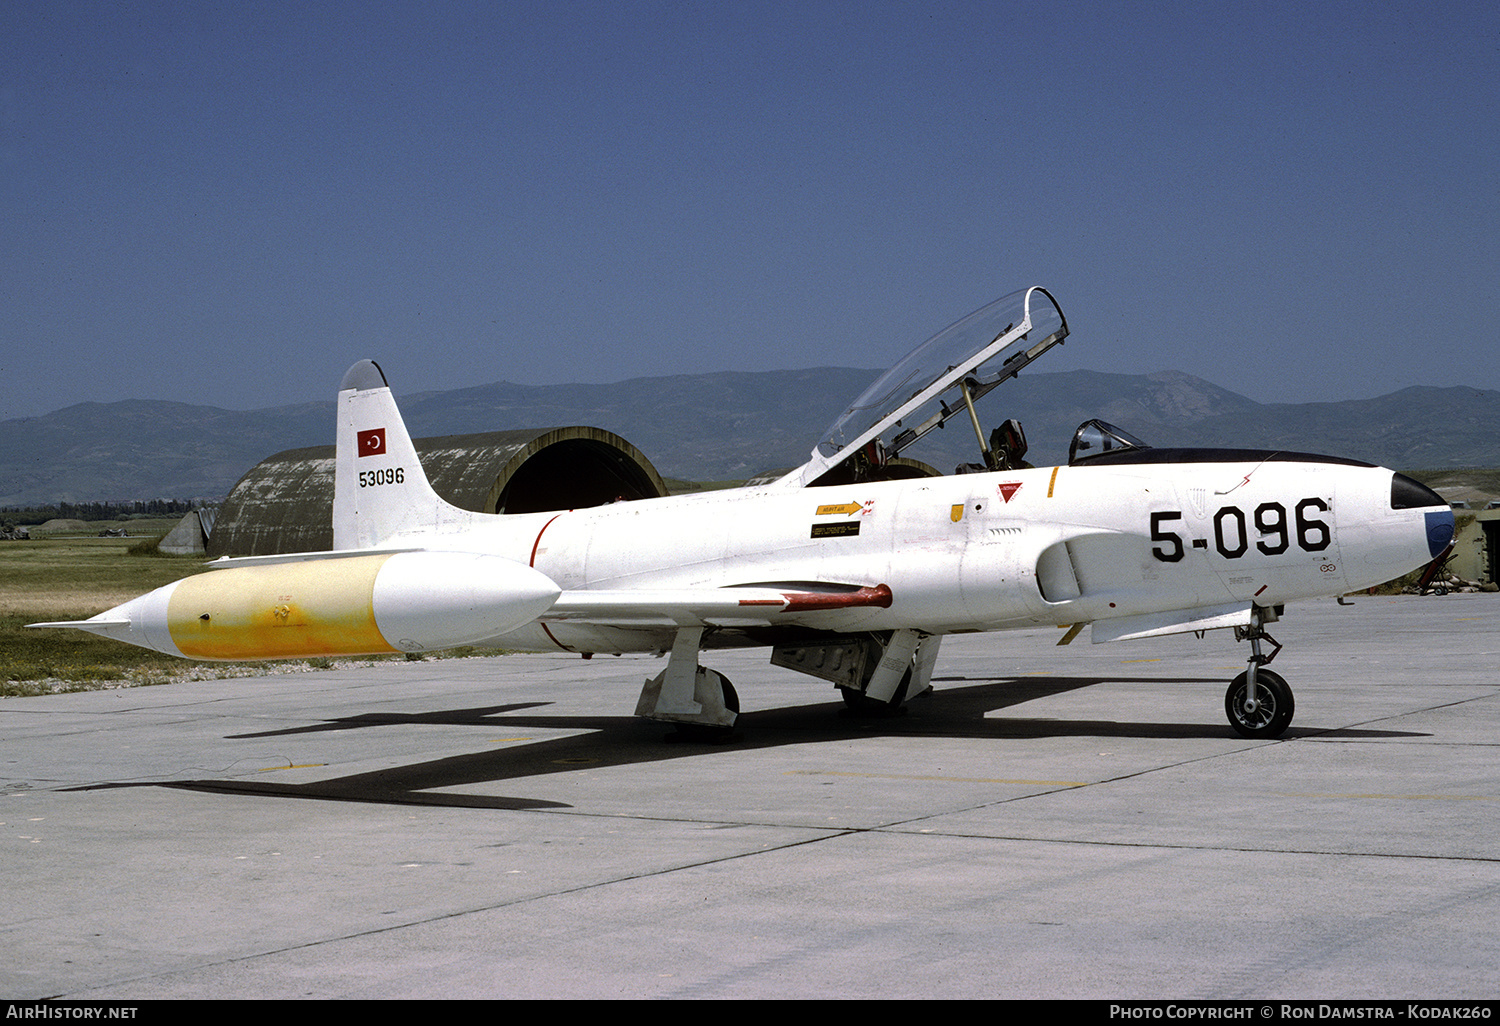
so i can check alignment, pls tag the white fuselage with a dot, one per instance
(977, 552)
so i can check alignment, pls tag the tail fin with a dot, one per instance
(380, 489)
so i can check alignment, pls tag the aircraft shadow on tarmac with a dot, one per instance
(953, 712)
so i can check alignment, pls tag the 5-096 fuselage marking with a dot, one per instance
(1313, 535)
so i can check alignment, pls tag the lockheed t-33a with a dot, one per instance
(851, 568)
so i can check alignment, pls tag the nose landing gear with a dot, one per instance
(1259, 702)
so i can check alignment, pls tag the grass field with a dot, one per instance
(1476, 486)
(72, 578)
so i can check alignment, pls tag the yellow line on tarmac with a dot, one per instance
(1399, 797)
(955, 780)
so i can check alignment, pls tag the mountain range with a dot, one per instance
(729, 426)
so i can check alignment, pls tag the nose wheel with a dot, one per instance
(1272, 712)
(1259, 701)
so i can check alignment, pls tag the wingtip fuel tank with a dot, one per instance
(360, 605)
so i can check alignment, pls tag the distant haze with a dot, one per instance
(728, 426)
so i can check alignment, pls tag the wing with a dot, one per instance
(759, 605)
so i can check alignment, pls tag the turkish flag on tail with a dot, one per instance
(372, 442)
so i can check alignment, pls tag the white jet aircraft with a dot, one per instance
(851, 567)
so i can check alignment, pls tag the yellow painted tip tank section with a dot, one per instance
(280, 611)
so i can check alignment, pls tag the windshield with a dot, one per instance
(922, 391)
(1095, 437)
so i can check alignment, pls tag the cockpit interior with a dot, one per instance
(942, 379)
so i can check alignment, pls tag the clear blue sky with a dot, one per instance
(229, 203)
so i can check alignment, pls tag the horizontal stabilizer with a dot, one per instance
(229, 562)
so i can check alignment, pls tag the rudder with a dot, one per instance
(380, 489)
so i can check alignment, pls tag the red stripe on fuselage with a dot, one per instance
(534, 547)
(536, 544)
(806, 601)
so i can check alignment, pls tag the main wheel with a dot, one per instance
(731, 697)
(706, 732)
(861, 704)
(1273, 710)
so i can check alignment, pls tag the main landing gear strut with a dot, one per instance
(701, 702)
(1259, 702)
